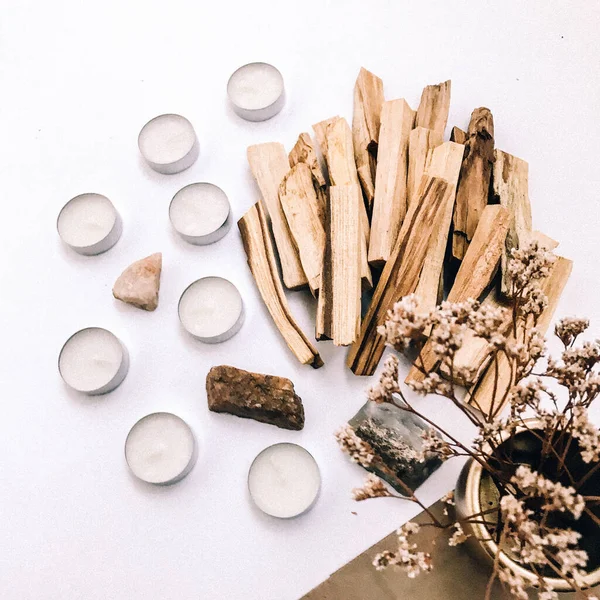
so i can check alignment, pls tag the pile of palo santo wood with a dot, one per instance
(393, 205)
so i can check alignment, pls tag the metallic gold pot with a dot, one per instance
(476, 492)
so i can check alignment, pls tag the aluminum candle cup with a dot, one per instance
(89, 224)
(93, 361)
(161, 449)
(169, 144)
(256, 91)
(200, 213)
(284, 480)
(211, 309)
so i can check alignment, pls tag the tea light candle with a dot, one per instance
(169, 144)
(200, 213)
(93, 361)
(284, 480)
(211, 309)
(89, 224)
(256, 91)
(161, 449)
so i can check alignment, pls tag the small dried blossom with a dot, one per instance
(587, 434)
(458, 536)
(556, 495)
(515, 583)
(487, 320)
(384, 390)
(575, 366)
(526, 394)
(529, 264)
(404, 324)
(355, 447)
(431, 384)
(373, 487)
(433, 443)
(569, 328)
(547, 593)
(407, 557)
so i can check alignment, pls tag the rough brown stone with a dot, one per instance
(264, 398)
(139, 283)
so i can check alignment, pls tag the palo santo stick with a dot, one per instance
(510, 184)
(482, 395)
(390, 205)
(475, 174)
(304, 152)
(301, 207)
(345, 262)
(473, 357)
(458, 135)
(399, 277)
(269, 164)
(261, 260)
(434, 107)
(342, 171)
(323, 325)
(368, 99)
(420, 142)
(445, 163)
(475, 273)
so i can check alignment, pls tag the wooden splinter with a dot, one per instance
(399, 277)
(474, 182)
(368, 100)
(269, 164)
(391, 202)
(255, 234)
(434, 107)
(481, 396)
(510, 187)
(345, 263)
(304, 217)
(473, 277)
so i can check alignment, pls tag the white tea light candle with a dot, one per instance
(200, 213)
(211, 309)
(284, 480)
(93, 361)
(89, 224)
(256, 91)
(169, 144)
(161, 449)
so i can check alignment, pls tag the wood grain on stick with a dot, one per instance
(269, 164)
(421, 141)
(475, 273)
(445, 163)
(342, 171)
(366, 118)
(482, 394)
(399, 277)
(391, 202)
(345, 262)
(510, 185)
(254, 230)
(458, 135)
(474, 182)
(434, 107)
(304, 217)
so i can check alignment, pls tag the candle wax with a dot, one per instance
(166, 139)
(255, 86)
(90, 359)
(86, 220)
(160, 448)
(199, 209)
(284, 480)
(210, 307)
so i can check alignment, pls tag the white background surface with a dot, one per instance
(78, 81)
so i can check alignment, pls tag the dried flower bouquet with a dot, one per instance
(542, 454)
